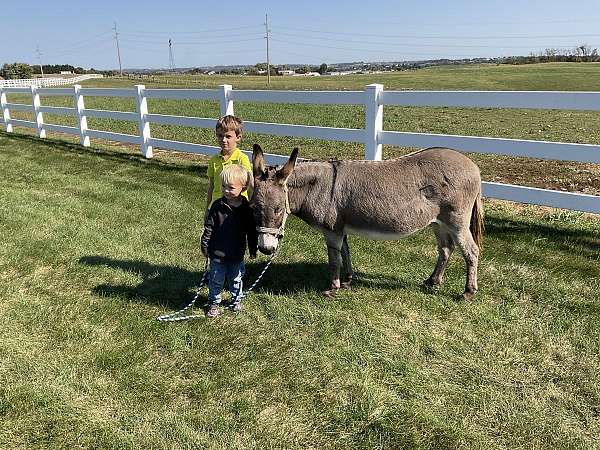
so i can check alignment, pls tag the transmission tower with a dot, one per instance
(267, 31)
(118, 50)
(39, 55)
(171, 59)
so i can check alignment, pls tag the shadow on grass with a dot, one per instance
(175, 287)
(111, 155)
(578, 241)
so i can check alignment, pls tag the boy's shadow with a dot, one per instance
(175, 287)
(169, 286)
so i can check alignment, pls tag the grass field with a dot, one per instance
(96, 242)
(549, 125)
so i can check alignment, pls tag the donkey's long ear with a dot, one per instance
(258, 160)
(284, 173)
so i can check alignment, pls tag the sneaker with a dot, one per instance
(213, 311)
(236, 307)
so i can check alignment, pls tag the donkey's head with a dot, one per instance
(269, 199)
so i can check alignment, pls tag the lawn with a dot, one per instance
(96, 242)
(546, 125)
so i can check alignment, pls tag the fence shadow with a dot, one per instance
(584, 242)
(104, 153)
(173, 286)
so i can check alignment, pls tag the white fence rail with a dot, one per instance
(47, 82)
(373, 98)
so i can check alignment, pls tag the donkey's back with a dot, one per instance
(389, 199)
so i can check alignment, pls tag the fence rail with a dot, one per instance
(373, 136)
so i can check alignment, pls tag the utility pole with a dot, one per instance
(118, 50)
(39, 55)
(267, 38)
(171, 59)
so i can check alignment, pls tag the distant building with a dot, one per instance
(287, 72)
(66, 72)
(307, 74)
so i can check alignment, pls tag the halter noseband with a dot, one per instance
(279, 232)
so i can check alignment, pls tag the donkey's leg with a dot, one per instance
(347, 263)
(334, 252)
(445, 246)
(470, 251)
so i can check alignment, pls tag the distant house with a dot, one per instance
(287, 72)
(66, 72)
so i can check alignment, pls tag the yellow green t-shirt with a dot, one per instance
(217, 163)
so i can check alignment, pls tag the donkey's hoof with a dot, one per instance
(430, 283)
(330, 293)
(468, 295)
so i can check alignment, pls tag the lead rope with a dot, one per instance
(279, 232)
(176, 316)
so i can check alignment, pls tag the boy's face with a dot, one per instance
(228, 141)
(232, 190)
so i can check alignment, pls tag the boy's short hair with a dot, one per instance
(230, 123)
(235, 173)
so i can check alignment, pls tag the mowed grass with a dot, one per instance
(96, 242)
(546, 125)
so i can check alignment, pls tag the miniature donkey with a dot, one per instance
(379, 199)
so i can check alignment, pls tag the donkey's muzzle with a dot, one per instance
(267, 243)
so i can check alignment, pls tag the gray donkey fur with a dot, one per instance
(380, 199)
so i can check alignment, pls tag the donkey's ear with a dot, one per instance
(258, 160)
(284, 173)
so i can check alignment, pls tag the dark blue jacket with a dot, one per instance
(226, 231)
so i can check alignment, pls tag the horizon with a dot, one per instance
(83, 35)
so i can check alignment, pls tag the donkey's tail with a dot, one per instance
(477, 226)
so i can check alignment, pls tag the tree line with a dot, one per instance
(19, 70)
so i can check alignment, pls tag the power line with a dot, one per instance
(190, 32)
(161, 41)
(407, 45)
(374, 51)
(408, 36)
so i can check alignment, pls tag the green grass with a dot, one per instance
(548, 125)
(97, 242)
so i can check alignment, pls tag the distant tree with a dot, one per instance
(16, 71)
(322, 69)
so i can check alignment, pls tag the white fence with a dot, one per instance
(47, 82)
(373, 98)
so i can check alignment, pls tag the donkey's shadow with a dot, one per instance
(174, 287)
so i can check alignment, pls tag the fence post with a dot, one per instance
(5, 111)
(37, 114)
(142, 109)
(84, 139)
(226, 102)
(373, 121)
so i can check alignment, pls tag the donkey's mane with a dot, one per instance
(307, 172)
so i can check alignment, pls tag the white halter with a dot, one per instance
(279, 232)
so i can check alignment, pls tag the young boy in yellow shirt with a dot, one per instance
(229, 134)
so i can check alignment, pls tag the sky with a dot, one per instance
(311, 32)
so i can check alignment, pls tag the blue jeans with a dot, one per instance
(234, 272)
